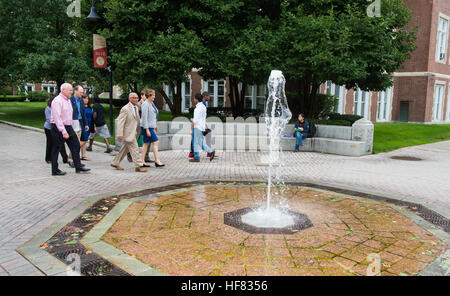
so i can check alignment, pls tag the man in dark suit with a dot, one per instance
(78, 116)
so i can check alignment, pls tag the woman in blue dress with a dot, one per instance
(85, 134)
(149, 127)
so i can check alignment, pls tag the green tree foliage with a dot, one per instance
(44, 43)
(151, 45)
(336, 40)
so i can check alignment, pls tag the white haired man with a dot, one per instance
(128, 131)
(62, 130)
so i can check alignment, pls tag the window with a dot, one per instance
(361, 103)
(442, 40)
(338, 91)
(170, 96)
(185, 96)
(186, 90)
(384, 105)
(28, 88)
(51, 89)
(216, 89)
(255, 97)
(437, 102)
(448, 105)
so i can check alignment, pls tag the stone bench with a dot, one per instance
(242, 136)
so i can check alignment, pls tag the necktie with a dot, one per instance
(135, 112)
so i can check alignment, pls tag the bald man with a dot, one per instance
(62, 130)
(128, 131)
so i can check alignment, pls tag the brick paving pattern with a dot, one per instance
(31, 199)
(184, 234)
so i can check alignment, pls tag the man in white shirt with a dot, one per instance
(198, 127)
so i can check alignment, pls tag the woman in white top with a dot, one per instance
(149, 128)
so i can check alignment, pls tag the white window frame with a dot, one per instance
(215, 93)
(25, 87)
(48, 86)
(447, 118)
(384, 105)
(359, 93)
(254, 94)
(330, 88)
(185, 96)
(442, 41)
(436, 116)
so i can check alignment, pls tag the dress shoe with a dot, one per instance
(109, 150)
(117, 167)
(194, 160)
(212, 155)
(82, 170)
(73, 166)
(159, 165)
(89, 148)
(59, 173)
(140, 170)
(145, 166)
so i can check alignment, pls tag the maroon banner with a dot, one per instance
(100, 52)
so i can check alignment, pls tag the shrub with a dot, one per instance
(19, 98)
(38, 96)
(348, 117)
(331, 122)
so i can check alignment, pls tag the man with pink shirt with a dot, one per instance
(62, 131)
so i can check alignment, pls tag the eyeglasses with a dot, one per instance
(134, 97)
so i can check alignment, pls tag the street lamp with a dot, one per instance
(93, 16)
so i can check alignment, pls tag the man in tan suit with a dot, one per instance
(128, 131)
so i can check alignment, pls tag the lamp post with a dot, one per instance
(93, 16)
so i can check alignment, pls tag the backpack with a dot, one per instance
(312, 130)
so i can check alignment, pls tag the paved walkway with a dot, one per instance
(31, 199)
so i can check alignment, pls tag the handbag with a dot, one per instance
(207, 131)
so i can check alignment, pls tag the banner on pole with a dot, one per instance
(100, 52)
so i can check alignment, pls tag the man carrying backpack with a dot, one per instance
(301, 131)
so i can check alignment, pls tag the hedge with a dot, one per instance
(347, 117)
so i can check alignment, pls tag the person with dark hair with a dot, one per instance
(85, 133)
(198, 127)
(206, 98)
(78, 116)
(48, 134)
(301, 131)
(99, 126)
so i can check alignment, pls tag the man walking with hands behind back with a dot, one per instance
(62, 130)
(128, 131)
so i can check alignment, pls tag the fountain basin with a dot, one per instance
(254, 220)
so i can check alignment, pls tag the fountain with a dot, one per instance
(277, 116)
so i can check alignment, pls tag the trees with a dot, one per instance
(336, 40)
(40, 42)
(151, 45)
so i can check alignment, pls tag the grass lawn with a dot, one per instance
(392, 136)
(32, 114)
(388, 136)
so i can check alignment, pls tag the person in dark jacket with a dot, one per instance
(78, 115)
(301, 131)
